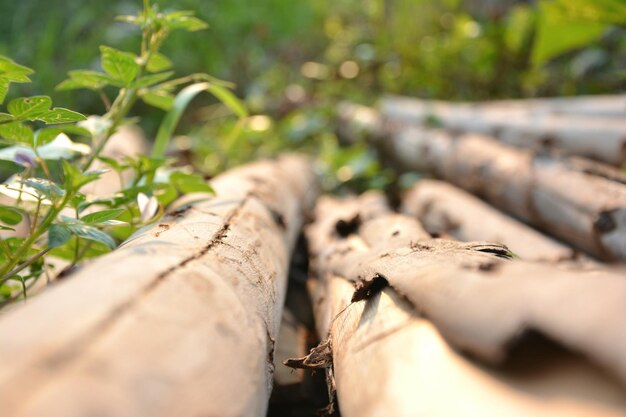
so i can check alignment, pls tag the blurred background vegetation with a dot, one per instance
(293, 60)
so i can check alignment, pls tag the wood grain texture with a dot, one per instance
(446, 210)
(581, 202)
(548, 125)
(395, 352)
(180, 320)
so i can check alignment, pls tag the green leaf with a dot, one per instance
(91, 80)
(91, 233)
(190, 183)
(44, 187)
(16, 132)
(159, 99)
(5, 116)
(102, 216)
(229, 99)
(58, 235)
(9, 66)
(4, 89)
(153, 79)
(59, 115)
(46, 135)
(158, 62)
(27, 108)
(113, 163)
(188, 23)
(6, 228)
(171, 119)
(75, 178)
(10, 215)
(120, 65)
(565, 25)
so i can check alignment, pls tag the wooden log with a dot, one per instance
(579, 201)
(388, 360)
(601, 138)
(446, 210)
(180, 320)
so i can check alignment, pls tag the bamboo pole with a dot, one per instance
(581, 202)
(180, 320)
(446, 210)
(598, 137)
(376, 277)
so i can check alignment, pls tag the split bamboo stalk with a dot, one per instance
(598, 137)
(446, 210)
(180, 320)
(386, 359)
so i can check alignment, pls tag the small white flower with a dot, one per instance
(96, 125)
(148, 207)
(61, 147)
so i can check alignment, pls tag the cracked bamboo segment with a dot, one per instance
(548, 126)
(579, 207)
(180, 320)
(581, 202)
(388, 360)
(446, 210)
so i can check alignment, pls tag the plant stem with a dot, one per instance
(7, 271)
(23, 266)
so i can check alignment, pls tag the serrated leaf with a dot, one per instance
(26, 108)
(190, 183)
(59, 115)
(153, 79)
(102, 216)
(91, 233)
(158, 62)
(58, 235)
(10, 215)
(120, 65)
(160, 100)
(44, 187)
(16, 132)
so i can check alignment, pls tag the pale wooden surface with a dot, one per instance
(388, 360)
(578, 201)
(534, 124)
(181, 320)
(446, 210)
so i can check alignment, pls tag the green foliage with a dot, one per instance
(52, 170)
